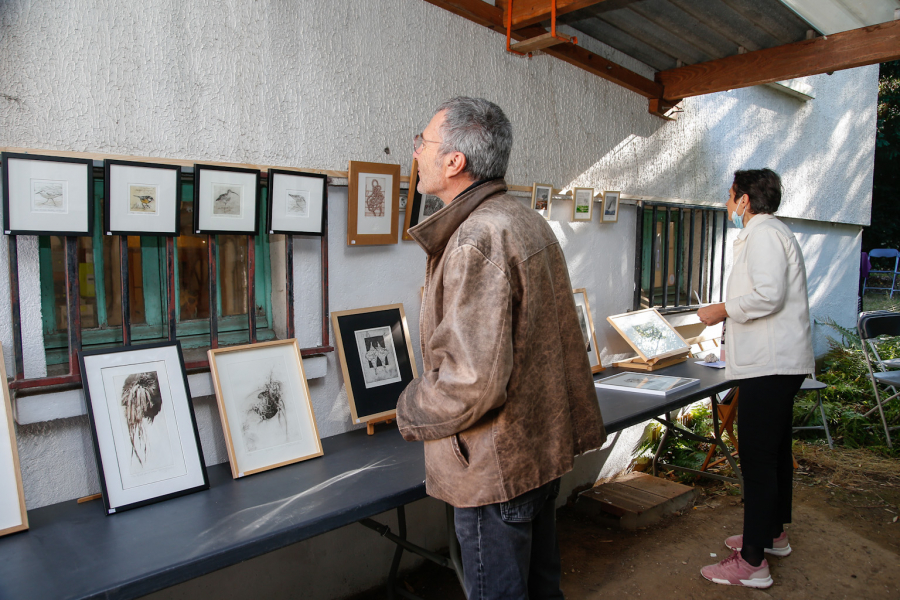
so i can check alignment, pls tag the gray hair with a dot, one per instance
(479, 129)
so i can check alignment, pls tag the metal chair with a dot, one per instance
(870, 326)
(811, 385)
(884, 253)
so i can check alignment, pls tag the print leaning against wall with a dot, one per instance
(13, 517)
(373, 202)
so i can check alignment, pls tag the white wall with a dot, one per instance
(316, 84)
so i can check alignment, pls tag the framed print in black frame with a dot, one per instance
(142, 421)
(141, 198)
(376, 356)
(297, 202)
(418, 206)
(47, 195)
(226, 200)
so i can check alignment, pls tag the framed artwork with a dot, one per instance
(376, 358)
(610, 207)
(226, 200)
(141, 198)
(265, 406)
(541, 198)
(649, 334)
(142, 420)
(373, 203)
(13, 517)
(418, 206)
(297, 202)
(582, 204)
(47, 195)
(583, 309)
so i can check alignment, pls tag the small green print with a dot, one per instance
(581, 209)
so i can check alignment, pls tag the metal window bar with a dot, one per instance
(690, 276)
(679, 257)
(703, 231)
(650, 293)
(712, 253)
(722, 259)
(125, 290)
(638, 250)
(665, 253)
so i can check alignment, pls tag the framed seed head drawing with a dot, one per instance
(582, 204)
(298, 202)
(418, 206)
(265, 406)
(226, 200)
(47, 195)
(373, 203)
(141, 198)
(541, 198)
(610, 207)
(583, 309)
(376, 358)
(649, 334)
(13, 517)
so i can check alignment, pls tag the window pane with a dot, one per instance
(85, 269)
(233, 274)
(193, 272)
(112, 277)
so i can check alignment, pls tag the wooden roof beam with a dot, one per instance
(531, 12)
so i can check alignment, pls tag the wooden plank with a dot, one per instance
(847, 50)
(653, 485)
(620, 500)
(539, 43)
(531, 12)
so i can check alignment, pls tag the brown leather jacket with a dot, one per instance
(506, 400)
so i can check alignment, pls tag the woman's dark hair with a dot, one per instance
(762, 186)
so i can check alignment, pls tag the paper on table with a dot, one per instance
(719, 364)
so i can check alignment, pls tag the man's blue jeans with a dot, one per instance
(510, 549)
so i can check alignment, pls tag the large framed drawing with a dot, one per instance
(376, 358)
(265, 406)
(141, 198)
(649, 334)
(226, 200)
(541, 198)
(610, 207)
(582, 204)
(297, 202)
(142, 420)
(13, 517)
(47, 195)
(583, 309)
(373, 202)
(418, 206)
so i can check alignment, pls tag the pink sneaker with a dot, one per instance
(734, 570)
(780, 545)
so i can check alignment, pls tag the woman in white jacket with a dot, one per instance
(768, 348)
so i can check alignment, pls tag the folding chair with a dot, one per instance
(811, 385)
(883, 253)
(870, 326)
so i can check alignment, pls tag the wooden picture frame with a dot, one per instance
(418, 206)
(542, 199)
(583, 308)
(582, 204)
(610, 212)
(142, 423)
(297, 202)
(265, 406)
(141, 198)
(649, 334)
(226, 200)
(368, 340)
(47, 195)
(373, 202)
(13, 516)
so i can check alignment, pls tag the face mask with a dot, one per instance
(737, 219)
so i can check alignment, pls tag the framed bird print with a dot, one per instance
(141, 198)
(297, 202)
(226, 200)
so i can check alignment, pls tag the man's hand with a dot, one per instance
(712, 314)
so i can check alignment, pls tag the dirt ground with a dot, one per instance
(845, 536)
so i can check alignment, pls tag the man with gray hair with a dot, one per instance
(506, 399)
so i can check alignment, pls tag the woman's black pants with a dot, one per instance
(764, 435)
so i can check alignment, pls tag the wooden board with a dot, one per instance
(639, 365)
(635, 500)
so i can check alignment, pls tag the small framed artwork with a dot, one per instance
(297, 202)
(142, 420)
(373, 203)
(226, 200)
(47, 195)
(13, 517)
(265, 406)
(610, 207)
(583, 309)
(141, 198)
(651, 336)
(418, 206)
(582, 204)
(376, 358)
(541, 198)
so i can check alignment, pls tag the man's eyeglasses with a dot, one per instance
(419, 143)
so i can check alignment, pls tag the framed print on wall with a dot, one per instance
(418, 206)
(610, 207)
(265, 406)
(142, 421)
(376, 358)
(141, 198)
(541, 198)
(297, 202)
(13, 517)
(587, 328)
(373, 203)
(47, 195)
(226, 200)
(651, 336)
(582, 204)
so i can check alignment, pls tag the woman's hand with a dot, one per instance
(712, 314)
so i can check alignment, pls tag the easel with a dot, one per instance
(370, 425)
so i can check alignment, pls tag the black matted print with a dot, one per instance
(377, 356)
